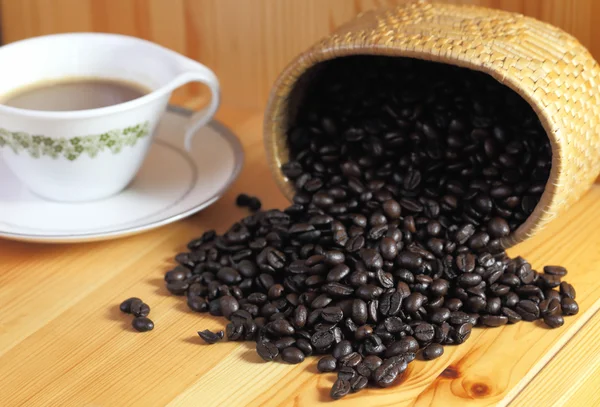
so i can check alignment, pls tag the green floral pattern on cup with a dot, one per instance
(71, 148)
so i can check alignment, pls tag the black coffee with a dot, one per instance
(73, 94)
(408, 175)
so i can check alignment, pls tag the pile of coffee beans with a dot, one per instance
(408, 175)
(140, 311)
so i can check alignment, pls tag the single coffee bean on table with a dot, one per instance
(142, 324)
(406, 183)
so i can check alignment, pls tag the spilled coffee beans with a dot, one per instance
(406, 183)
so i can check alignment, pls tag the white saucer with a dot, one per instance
(172, 184)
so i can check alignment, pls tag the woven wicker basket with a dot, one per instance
(549, 68)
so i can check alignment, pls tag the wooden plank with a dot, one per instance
(571, 377)
(64, 342)
(248, 43)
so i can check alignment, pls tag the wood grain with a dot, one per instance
(247, 43)
(64, 342)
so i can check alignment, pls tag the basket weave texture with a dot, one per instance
(549, 68)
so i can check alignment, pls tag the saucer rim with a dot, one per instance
(239, 158)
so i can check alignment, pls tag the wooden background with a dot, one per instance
(247, 42)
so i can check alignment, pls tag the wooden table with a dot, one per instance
(63, 341)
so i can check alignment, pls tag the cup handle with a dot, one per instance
(196, 72)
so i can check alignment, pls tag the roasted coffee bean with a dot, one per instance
(352, 359)
(229, 276)
(493, 320)
(413, 302)
(440, 315)
(462, 333)
(234, 331)
(285, 342)
(126, 305)
(424, 332)
(139, 309)
(498, 227)
(567, 290)
(433, 351)
(198, 304)
(254, 204)
(327, 364)
(267, 350)
(525, 273)
(386, 374)
(292, 355)
(228, 305)
(340, 388)
(358, 383)
(389, 304)
(555, 270)
(569, 306)
(513, 317)
(466, 263)
(332, 314)
(528, 310)
(177, 287)
(282, 327)
(210, 337)
(142, 324)
(342, 349)
(554, 321)
(322, 339)
(179, 273)
(469, 279)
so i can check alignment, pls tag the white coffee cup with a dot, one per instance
(90, 154)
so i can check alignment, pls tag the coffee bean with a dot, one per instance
(332, 314)
(424, 332)
(126, 305)
(555, 270)
(465, 262)
(139, 309)
(569, 306)
(322, 339)
(526, 274)
(413, 302)
(528, 310)
(198, 304)
(494, 320)
(462, 333)
(433, 351)
(228, 305)
(386, 374)
(498, 227)
(229, 276)
(352, 359)
(210, 337)
(554, 321)
(267, 350)
(292, 355)
(358, 383)
(177, 287)
(254, 204)
(567, 290)
(469, 279)
(340, 388)
(390, 303)
(327, 364)
(142, 324)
